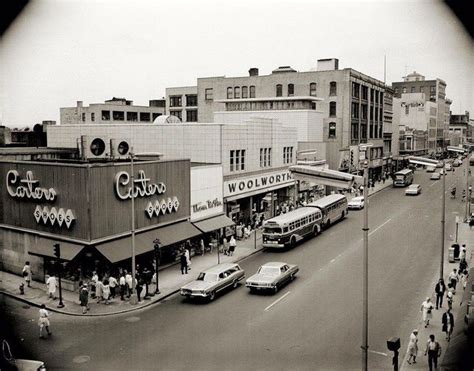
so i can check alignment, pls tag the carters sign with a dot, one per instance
(249, 184)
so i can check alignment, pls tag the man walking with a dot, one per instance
(84, 298)
(27, 273)
(184, 263)
(448, 323)
(453, 278)
(433, 350)
(123, 285)
(43, 321)
(440, 289)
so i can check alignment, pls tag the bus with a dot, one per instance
(287, 229)
(403, 178)
(333, 207)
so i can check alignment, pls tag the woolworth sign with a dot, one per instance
(248, 184)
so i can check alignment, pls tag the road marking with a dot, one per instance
(81, 359)
(277, 301)
(432, 185)
(380, 226)
(333, 260)
(382, 354)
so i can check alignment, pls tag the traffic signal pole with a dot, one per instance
(57, 253)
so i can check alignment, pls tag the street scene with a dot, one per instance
(318, 218)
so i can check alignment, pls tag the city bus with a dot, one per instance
(333, 207)
(403, 178)
(287, 229)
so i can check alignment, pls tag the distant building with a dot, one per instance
(461, 129)
(115, 110)
(25, 137)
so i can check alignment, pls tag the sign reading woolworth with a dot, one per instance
(257, 182)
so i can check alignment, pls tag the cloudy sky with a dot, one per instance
(61, 51)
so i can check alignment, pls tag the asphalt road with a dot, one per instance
(314, 322)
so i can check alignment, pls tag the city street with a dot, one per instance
(315, 321)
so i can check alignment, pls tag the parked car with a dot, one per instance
(430, 169)
(213, 280)
(271, 276)
(439, 164)
(16, 363)
(457, 163)
(448, 167)
(356, 203)
(435, 176)
(413, 189)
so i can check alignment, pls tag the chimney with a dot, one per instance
(253, 71)
(79, 104)
(329, 64)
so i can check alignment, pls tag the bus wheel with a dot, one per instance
(315, 231)
(292, 242)
(328, 223)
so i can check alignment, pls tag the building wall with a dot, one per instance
(185, 106)
(206, 192)
(14, 252)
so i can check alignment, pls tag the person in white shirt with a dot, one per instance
(128, 281)
(232, 245)
(27, 273)
(93, 283)
(106, 291)
(413, 347)
(51, 283)
(426, 311)
(453, 278)
(123, 285)
(113, 284)
(43, 321)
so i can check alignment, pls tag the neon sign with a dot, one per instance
(30, 188)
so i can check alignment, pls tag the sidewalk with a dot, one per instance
(435, 327)
(170, 279)
(379, 186)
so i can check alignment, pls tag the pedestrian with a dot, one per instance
(99, 291)
(413, 346)
(433, 350)
(139, 283)
(471, 222)
(105, 286)
(262, 216)
(27, 273)
(202, 246)
(113, 286)
(440, 289)
(128, 281)
(184, 264)
(225, 247)
(426, 310)
(123, 285)
(84, 298)
(247, 231)
(187, 253)
(462, 267)
(93, 283)
(51, 283)
(453, 279)
(464, 278)
(232, 245)
(43, 321)
(462, 254)
(448, 323)
(450, 296)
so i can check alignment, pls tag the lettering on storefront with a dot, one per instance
(54, 216)
(206, 205)
(142, 186)
(28, 187)
(249, 184)
(163, 207)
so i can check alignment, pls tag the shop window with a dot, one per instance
(332, 130)
(118, 115)
(230, 93)
(132, 116)
(332, 88)
(291, 90)
(279, 90)
(209, 94)
(145, 116)
(252, 91)
(245, 92)
(105, 115)
(312, 89)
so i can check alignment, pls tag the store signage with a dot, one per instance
(167, 206)
(53, 216)
(206, 205)
(248, 184)
(28, 187)
(142, 186)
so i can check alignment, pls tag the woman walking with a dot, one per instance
(426, 311)
(413, 346)
(27, 273)
(43, 321)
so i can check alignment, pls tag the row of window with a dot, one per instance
(268, 106)
(375, 131)
(287, 155)
(177, 100)
(362, 91)
(191, 115)
(120, 116)
(375, 113)
(423, 89)
(265, 157)
(303, 222)
(249, 92)
(234, 92)
(237, 158)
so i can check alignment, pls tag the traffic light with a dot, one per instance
(57, 250)
(352, 157)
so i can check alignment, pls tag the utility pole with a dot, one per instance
(57, 253)
(365, 229)
(443, 212)
(133, 295)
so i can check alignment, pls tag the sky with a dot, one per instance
(60, 51)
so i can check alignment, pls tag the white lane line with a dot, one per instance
(333, 260)
(380, 226)
(382, 354)
(431, 185)
(277, 301)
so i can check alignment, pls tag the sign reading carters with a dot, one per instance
(248, 184)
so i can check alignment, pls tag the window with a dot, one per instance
(365, 92)
(404, 89)
(412, 90)
(312, 89)
(355, 130)
(177, 114)
(364, 111)
(155, 115)
(407, 110)
(209, 94)
(291, 90)
(252, 91)
(332, 88)
(237, 92)
(118, 115)
(332, 130)
(245, 92)
(355, 90)
(230, 93)
(175, 100)
(279, 90)
(237, 160)
(287, 155)
(332, 109)
(397, 91)
(422, 89)
(92, 116)
(83, 117)
(145, 116)
(132, 116)
(355, 110)
(265, 157)
(191, 115)
(191, 100)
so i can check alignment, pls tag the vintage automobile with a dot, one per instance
(272, 276)
(356, 203)
(435, 176)
(16, 363)
(430, 169)
(213, 280)
(414, 189)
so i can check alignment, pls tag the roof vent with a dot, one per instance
(282, 69)
(253, 71)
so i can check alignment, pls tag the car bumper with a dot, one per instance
(270, 244)
(193, 294)
(258, 286)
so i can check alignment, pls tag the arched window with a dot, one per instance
(279, 90)
(291, 90)
(230, 93)
(312, 89)
(245, 92)
(332, 130)
(332, 109)
(237, 92)
(332, 88)
(252, 91)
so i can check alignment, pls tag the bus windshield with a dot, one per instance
(399, 176)
(272, 230)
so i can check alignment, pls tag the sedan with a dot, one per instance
(430, 169)
(272, 276)
(448, 167)
(356, 203)
(435, 176)
(414, 189)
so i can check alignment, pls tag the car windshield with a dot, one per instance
(269, 271)
(207, 277)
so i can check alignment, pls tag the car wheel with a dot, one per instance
(275, 289)
(343, 215)
(292, 277)
(212, 296)
(235, 284)
(315, 231)
(328, 223)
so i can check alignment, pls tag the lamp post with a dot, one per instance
(365, 229)
(157, 247)
(443, 212)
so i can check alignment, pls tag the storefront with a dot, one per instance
(86, 207)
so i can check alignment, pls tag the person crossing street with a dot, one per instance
(43, 321)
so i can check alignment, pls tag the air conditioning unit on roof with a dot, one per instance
(119, 148)
(94, 147)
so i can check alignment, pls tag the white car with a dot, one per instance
(435, 176)
(356, 203)
(448, 167)
(430, 169)
(272, 276)
(414, 189)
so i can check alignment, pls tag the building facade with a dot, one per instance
(460, 129)
(182, 103)
(113, 111)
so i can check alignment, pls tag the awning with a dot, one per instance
(121, 249)
(44, 247)
(213, 224)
